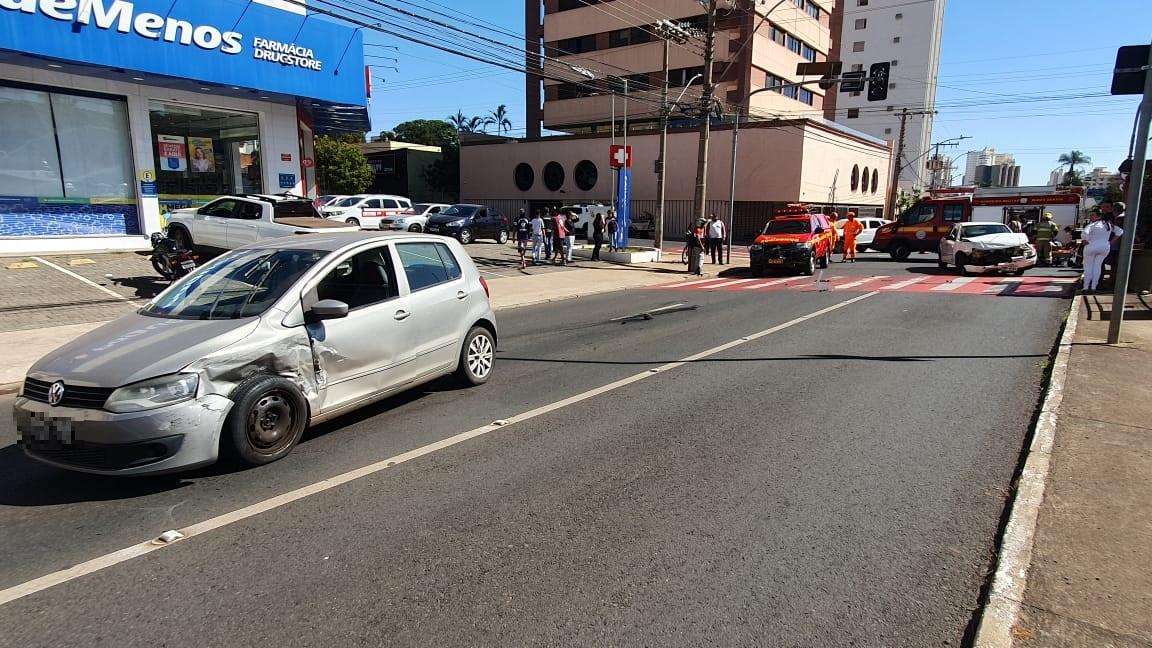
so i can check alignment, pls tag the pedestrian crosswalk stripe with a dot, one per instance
(731, 283)
(954, 284)
(903, 284)
(773, 282)
(861, 282)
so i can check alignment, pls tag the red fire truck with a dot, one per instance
(920, 228)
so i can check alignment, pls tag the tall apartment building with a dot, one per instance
(906, 35)
(986, 157)
(617, 37)
(1099, 178)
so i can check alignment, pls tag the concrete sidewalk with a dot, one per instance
(1090, 578)
(22, 348)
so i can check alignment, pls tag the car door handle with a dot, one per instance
(461, 295)
(402, 315)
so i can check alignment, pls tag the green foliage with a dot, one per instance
(499, 119)
(341, 167)
(1073, 159)
(904, 200)
(429, 132)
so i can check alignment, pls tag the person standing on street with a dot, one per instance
(523, 236)
(549, 225)
(716, 232)
(1097, 238)
(559, 235)
(852, 229)
(1045, 232)
(613, 227)
(598, 228)
(570, 224)
(537, 237)
(694, 242)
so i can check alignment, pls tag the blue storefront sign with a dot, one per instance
(623, 206)
(225, 42)
(287, 180)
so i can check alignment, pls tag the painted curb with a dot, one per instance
(1002, 609)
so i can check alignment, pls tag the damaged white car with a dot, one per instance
(240, 356)
(986, 247)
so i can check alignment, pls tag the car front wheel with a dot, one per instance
(810, 268)
(353, 221)
(502, 237)
(267, 420)
(414, 227)
(477, 356)
(962, 265)
(465, 236)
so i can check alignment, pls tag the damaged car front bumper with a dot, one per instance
(1006, 260)
(166, 439)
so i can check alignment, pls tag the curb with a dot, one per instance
(1006, 594)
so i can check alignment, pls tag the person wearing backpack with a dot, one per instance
(694, 242)
(523, 235)
(613, 227)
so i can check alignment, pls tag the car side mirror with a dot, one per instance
(327, 309)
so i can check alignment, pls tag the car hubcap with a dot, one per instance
(480, 356)
(270, 422)
(465, 236)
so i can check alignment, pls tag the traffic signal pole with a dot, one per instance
(706, 112)
(658, 226)
(894, 181)
(1132, 209)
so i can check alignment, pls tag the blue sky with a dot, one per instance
(993, 52)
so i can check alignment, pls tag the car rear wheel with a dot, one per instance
(267, 420)
(465, 236)
(477, 356)
(810, 268)
(353, 221)
(900, 250)
(414, 227)
(502, 237)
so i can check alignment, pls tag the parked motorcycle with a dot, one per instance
(169, 259)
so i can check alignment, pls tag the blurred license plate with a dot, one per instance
(49, 429)
(775, 261)
(433, 228)
(188, 265)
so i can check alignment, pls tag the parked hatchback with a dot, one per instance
(413, 220)
(470, 222)
(239, 357)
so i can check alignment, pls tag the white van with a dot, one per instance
(367, 210)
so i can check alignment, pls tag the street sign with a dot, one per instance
(1095, 193)
(623, 207)
(853, 81)
(620, 157)
(828, 71)
(878, 81)
(1131, 67)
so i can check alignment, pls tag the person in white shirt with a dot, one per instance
(537, 237)
(715, 243)
(1097, 238)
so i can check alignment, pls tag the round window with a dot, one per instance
(586, 175)
(524, 176)
(855, 176)
(875, 180)
(553, 176)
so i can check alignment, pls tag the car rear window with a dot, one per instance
(290, 208)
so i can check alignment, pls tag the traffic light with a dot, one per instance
(878, 81)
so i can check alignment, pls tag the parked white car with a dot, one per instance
(585, 213)
(865, 237)
(982, 247)
(232, 221)
(366, 210)
(415, 219)
(328, 201)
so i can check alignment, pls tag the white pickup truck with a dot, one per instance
(230, 222)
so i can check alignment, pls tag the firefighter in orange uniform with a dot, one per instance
(851, 230)
(833, 234)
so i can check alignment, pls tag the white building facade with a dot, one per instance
(985, 157)
(907, 35)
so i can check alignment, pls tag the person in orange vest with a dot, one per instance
(851, 230)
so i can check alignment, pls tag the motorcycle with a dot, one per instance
(169, 259)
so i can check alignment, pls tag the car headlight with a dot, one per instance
(459, 221)
(399, 221)
(153, 393)
(807, 244)
(756, 247)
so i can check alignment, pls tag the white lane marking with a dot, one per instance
(954, 284)
(1000, 613)
(84, 279)
(103, 562)
(903, 284)
(731, 283)
(773, 282)
(696, 283)
(1005, 285)
(860, 282)
(649, 311)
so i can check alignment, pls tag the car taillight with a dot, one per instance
(487, 292)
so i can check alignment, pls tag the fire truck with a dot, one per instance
(920, 228)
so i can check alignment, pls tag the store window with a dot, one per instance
(65, 165)
(202, 153)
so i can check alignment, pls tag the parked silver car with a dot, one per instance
(243, 354)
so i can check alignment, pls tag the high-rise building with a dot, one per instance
(987, 157)
(620, 38)
(906, 35)
(1098, 178)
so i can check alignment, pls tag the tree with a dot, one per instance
(341, 167)
(459, 120)
(1073, 159)
(477, 125)
(905, 200)
(499, 118)
(429, 132)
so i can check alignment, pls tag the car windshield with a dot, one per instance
(420, 208)
(791, 226)
(240, 284)
(348, 202)
(972, 231)
(462, 211)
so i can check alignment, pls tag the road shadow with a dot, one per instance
(26, 482)
(145, 287)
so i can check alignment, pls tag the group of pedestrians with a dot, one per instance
(551, 233)
(1101, 241)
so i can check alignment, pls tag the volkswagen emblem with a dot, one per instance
(56, 393)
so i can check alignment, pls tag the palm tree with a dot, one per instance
(458, 120)
(477, 124)
(499, 118)
(1073, 160)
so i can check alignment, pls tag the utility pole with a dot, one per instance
(732, 188)
(894, 181)
(1132, 209)
(706, 110)
(658, 226)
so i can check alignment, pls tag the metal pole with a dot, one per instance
(622, 228)
(894, 181)
(705, 113)
(658, 226)
(1132, 209)
(732, 188)
(613, 174)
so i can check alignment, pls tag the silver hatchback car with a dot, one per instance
(239, 357)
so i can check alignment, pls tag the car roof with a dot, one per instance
(980, 223)
(337, 241)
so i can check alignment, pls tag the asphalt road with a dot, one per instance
(836, 481)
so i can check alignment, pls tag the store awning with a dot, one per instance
(335, 119)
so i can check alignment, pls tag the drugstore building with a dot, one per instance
(114, 112)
